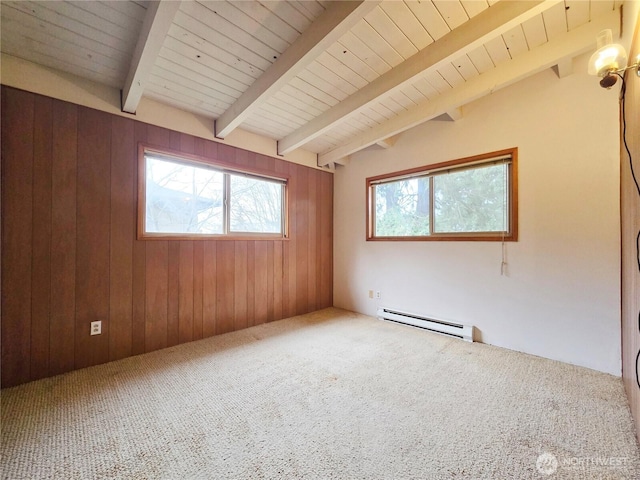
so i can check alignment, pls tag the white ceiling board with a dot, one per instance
(162, 92)
(331, 78)
(407, 22)
(577, 12)
(317, 93)
(413, 94)
(135, 10)
(356, 47)
(474, 7)
(515, 41)
(388, 30)
(347, 74)
(368, 35)
(290, 14)
(192, 84)
(430, 18)
(481, 59)
(452, 12)
(348, 60)
(497, 50)
(437, 81)
(303, 97)
(283, 97)
(424, 87)
(451, 75)
(600, 7)
(555, 21)
(465, 67)
(534, 31)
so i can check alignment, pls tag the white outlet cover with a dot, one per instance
(96, 328)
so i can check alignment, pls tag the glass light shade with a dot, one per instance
(607, 58)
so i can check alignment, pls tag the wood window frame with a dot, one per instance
(222, 166)
(461, 163)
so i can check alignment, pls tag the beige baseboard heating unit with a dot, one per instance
(465, 332)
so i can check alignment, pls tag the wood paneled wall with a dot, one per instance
(70, 254)
(630, 221)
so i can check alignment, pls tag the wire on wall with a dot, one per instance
(623, 92)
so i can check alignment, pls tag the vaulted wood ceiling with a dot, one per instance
(330, 77)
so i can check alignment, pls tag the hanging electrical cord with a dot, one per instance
(623, 92)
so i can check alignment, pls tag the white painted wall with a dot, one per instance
(561, 296)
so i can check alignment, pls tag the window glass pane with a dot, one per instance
(183, 198)
(473, 200)
(402, 208)
(255, 205)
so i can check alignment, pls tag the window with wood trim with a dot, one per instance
(188, 197)
(472, 198)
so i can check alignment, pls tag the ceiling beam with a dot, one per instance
(157, 21)
(334, 22)
(573, 43)
(564, 67)
(454, 114)
(387, 142)
(488, 24)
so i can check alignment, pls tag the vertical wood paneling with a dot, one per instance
(260, 282)
(123, 222)
(325, 234)
(186, 295)
(225, 280)
(251, 283)
(63, 238)
(41, 261)
(70, 253)
(17, 175)
(301, 209)
(139, 296)
(240, 286)
(630, 228)
(312, 281)
(157, 279)
(93, 223)
(209, 288)
(173, 293)
(198, 289)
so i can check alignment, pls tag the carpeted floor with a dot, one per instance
(326, 395)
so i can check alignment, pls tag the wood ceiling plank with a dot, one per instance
(534, 31)
(356, 47)
(494, 21)
(40, 11)
(156, 24)
(267, 19)
(198, 61)
(577, 12)
(481, 59)
(570, 44)
(474, 7)
(183, 102)
(178, 34)
(106, 11)
(341, 54)
(368, 35)
(407, 22)
(331, 78)
(341, 70)
(452, 12)
(411, 92)
(497, 50)
(555, 21)
(390, 32)
(208, 14)
(194, 81)
(465, 67)
(321, 84)
(430, 18)
(326, 30)
(515, 41)
(202, 31)
(424, 87)
(309, 8)
(302, 114)
(285, 98)
(314, 92)
(401, 98)
(131, 9)
(289, 14)
(172, 83)
(301, 96)
(27, 23)
(451, 75)
(601, 7)
(249, 26)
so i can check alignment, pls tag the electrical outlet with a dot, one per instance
(378, 295)
(370, 293)
(96, 328)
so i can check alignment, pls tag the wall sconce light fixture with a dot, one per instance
(610, 60)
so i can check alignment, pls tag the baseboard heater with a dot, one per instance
(465, 332)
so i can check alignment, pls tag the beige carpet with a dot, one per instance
(325, 395)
